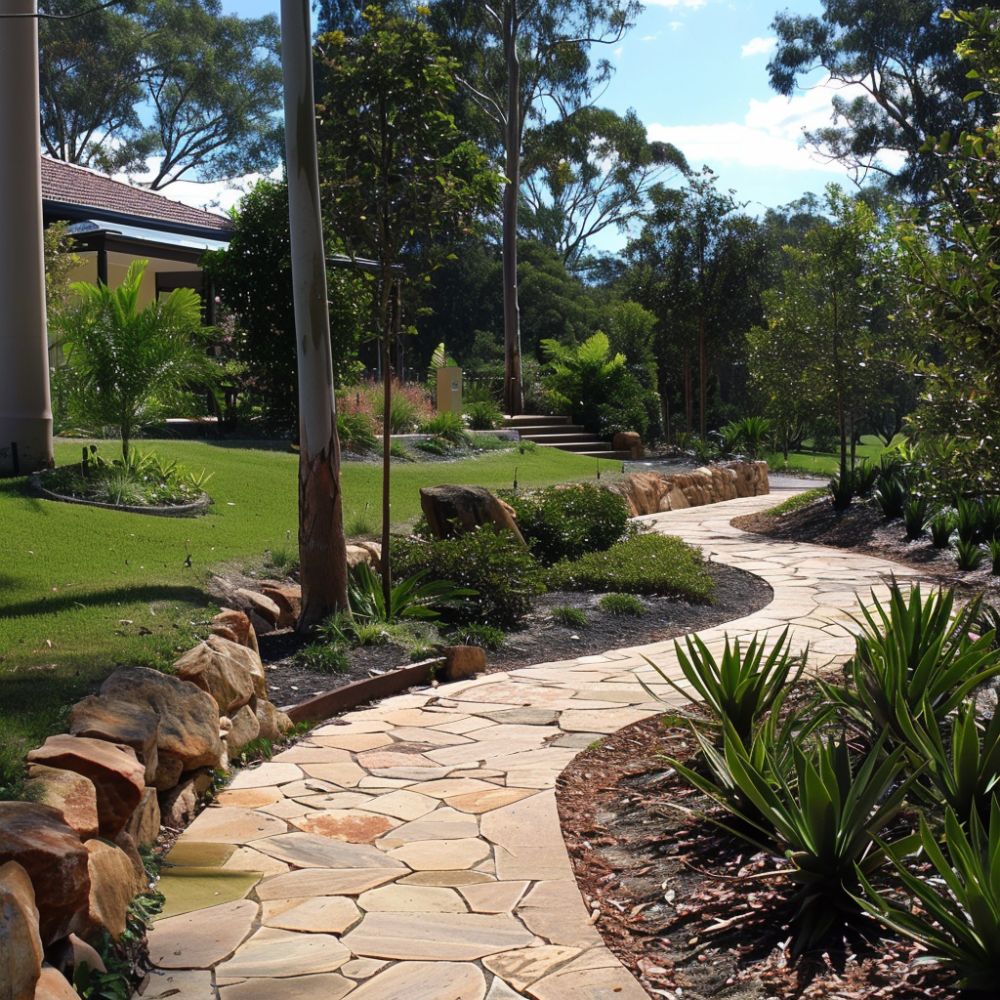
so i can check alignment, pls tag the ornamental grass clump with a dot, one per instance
(942, 527)
(968, 556)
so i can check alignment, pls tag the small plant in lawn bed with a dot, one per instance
(435, 446)
(942, 528)
(957, 919)
(890, 495)
(864, 477)
(989, 519)
(968, 556)
(569, 616)
(622, 604)
(912, 655)
(645, 564)
(493, 563)
(412, 596)
(566, 522)
(449, 427)
(842, 491)
(362, 525)
(749, 435)
(798, 501)
(483, 415)
(356, 432)
(323, 658)
(916, 515)
(966, 520)
(478, 635)
(742, 686)
(398, 450)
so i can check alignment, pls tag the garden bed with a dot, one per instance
(862, 528)
(541, 639)
(682, 904)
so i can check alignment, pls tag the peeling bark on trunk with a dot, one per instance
(322, 546)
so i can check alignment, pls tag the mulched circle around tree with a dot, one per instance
(540, 640)
(684, 905)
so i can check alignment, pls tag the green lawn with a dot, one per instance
(822, 463)
(83, 590)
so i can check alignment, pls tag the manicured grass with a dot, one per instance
(823, 463)
(84, 590)
(797, 501)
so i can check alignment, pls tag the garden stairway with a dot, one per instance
(558, 432)
(412, 849)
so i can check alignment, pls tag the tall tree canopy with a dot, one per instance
(176, 81)
(901, 54)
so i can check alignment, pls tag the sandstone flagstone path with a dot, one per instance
(412, 851)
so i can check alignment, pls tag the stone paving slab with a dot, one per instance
(413, 850)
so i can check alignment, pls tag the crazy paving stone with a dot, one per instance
(249, 798)
(356, 742)
(448, 937)
(246, 859)
(522, 968)
(274, 953)
(202, 939)
(189, 889)
(178, 984)
(319, 914)
(403, 804)
(448, 879)
(266, 774)
(594, 984)
(352, 825)
(487, 799)
(331, 986)
(306, 850)
(493, 897)
(440, 855)
(555, 911)
(325, 882)
(455, 826)
(418, 981)
(411, 898)
(231, 825)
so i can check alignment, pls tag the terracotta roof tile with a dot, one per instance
(68, 183)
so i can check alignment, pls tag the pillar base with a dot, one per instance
(25, 445)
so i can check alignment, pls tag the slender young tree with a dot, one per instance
(523, 61)
(322, 545)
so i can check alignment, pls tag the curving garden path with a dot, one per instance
(412, 851)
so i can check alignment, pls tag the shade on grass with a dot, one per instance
(83, 590)
(824, 463)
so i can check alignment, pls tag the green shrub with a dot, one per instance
(966, 520)
(356, 432)
(645, 564)
(398, 450)
(994, 547)
(797, 502)
(323, 658)
(916, 515)
(569, 616)
(622, 604)
(566, 522)
(411, 596)
(864, 476)
(749, 435)
(842, 491)
(890, 495)
(484, 415)
(957, 921)
(968, 555)
(404, 414)
(504, 575)
(989, 519)
(942, 526)
(434, 446)
(447, 426)
(478, 635)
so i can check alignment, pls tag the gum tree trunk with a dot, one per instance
(322, 546)
(25, 411)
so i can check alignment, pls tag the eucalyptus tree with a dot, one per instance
(526, 61)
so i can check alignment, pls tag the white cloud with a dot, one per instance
(649, 38)
(618, 51)
(675, 25)
(758, 46)
(770, 135)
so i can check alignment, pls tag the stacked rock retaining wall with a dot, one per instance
(653, 492)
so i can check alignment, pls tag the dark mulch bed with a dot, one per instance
(540, 640)
(677, 900)
(862, 528)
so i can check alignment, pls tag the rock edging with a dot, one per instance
(655, 493)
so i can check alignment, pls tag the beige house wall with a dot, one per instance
(118, 264)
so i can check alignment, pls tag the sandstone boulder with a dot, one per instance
(118, 721)
(73, 952)
(237, 625)
(463, 661)
(454, 510)
(245, 728)
(259, 604)
(168, 773)
(179, 806)
(20, 944)
(114, 769)
(53, 985)
(113, 884)
(357, 554)
(49, 850)
(273, 723)
(288, 598)
(189, 718)
(125, 842)
(629, 441)
(247, 658)
(218, 673)
(72, 794)
(144, 824)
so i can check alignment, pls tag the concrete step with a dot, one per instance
(534, 420)
(527, 429)
(615, 456)
(586, 446)
(544, 437)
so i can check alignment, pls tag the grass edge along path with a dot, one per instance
(83, 590)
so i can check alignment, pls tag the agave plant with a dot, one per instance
(842, 491)
(821, 810)
(963, 775)
(989, 519)
(912, 651)
(968, 556)
(994, 547)
(942, 526)
(411, 597)
(916, 515)
(967, 518)
(958, 921)
(864, 477)
(890, 495)
(742, 686)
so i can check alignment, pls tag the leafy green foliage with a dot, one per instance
(912, 655)
(749, 435)
(404, 415)
(478, 635)
(958, 919)
(916, 516)
(890, 495)
(968, 556)
(569, 616)
(864, 477)
(994, 547)
(483, 415)
(797, 502)
(447, 426)
(503, 574)
(413, 596)
(123, 360)
(625, 605)
(966, 520)
(356, 433)
(566, 522)
(323, 658)
(842, 491)
(942, 528)
(645, 564)
(741, 687)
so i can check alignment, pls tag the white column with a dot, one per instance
(25, 413)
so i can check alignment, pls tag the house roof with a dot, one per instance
(75, 192)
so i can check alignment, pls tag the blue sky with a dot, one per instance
(694, 70)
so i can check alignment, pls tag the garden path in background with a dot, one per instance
(412, 850)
